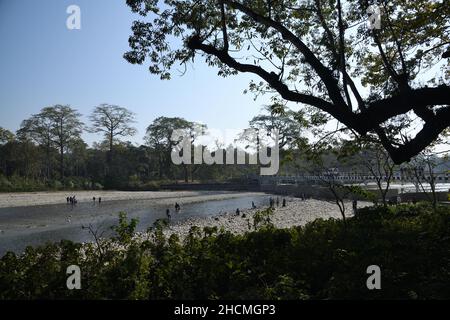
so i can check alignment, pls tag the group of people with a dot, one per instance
(276, 201)
(73, 200)
(238, 211)
(95, 200)
(272, 203)
(177, 209)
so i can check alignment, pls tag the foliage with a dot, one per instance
(322, 260)
(22, 184)
(56, 127)
(33, 159)
(5, 136)
(320, 54)
(261, 219)
(113, 121)
(289, 124)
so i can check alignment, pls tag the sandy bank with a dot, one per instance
(296, 213)
(9, 200)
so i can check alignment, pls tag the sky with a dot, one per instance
(43, 63)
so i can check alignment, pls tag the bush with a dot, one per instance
(56, 185)
(5, 184)
(97, 186)
(326, 259)
(21, 184)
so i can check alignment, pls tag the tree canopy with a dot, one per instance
(159, 137)
(59, 126)
(5, 135)
(113, 121)
(317, 53)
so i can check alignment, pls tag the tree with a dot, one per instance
(113, 121)
(77, 158)
(194, 131)
(288, 123)
(422, 170)
(380, 165)
(317, 53)
(65, 127)
(159, 137)
(39, 129)
(370, 157)
(5, 136)
(319, 166)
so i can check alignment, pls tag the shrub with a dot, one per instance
(326, 259)
(97, 186)
(5, 184)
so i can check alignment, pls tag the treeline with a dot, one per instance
(48, 153)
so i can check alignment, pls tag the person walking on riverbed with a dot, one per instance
(169, 217)
(355, 206)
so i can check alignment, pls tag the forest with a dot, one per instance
(48, 153)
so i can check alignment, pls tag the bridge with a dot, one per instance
(350, 178)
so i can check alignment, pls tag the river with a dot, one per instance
(36, 225)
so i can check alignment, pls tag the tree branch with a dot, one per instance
(382, 110)
(343, 115)
(430, 132)
(323, 72)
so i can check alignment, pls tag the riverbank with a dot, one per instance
(296, 213)
(27, 199)
(33, 224)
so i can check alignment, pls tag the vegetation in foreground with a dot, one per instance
(322, 260)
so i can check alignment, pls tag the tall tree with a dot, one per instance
(372, 158)
(65, 127)
(39, 129)
(6, 137)
(288, 123)
(159, 137)
(114, 122)
(317, 53)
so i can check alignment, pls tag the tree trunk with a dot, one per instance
(186, 173)
(61, 162)
(160, 162)
(110, 148)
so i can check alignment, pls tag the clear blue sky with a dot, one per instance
(42, 63)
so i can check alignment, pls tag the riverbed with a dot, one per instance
(50, 219)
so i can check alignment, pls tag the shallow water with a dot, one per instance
(24, 226)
